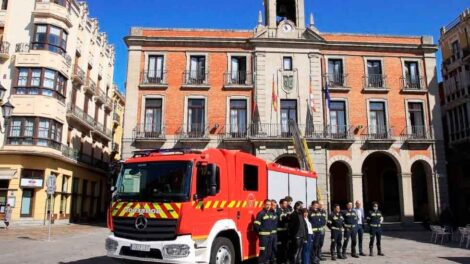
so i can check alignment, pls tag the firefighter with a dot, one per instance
(263, 226)
(374, 220)
(350, 230)
(273, 227)
(315, 220)
(282, 231)
(324, 219)
(335, 224)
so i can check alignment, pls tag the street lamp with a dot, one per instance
(7, 110)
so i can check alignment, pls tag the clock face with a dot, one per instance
(287, 28)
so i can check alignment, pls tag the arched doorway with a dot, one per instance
(289, 161)
(380, 183)
(419, 177)
(340, 191)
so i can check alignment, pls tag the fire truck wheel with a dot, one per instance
(223, 252)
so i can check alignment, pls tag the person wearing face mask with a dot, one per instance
(375, 219)
(350, 230)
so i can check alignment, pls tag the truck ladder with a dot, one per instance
(302, 152)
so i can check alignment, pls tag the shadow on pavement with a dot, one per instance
(421, 237)
(95, 260)
(462, 260)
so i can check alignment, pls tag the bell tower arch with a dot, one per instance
(281, 10)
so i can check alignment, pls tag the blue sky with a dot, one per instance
(403, 17)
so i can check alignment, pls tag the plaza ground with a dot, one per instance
(84, 244)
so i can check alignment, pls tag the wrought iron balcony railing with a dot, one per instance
(153, 78)
(193, 131)
(413, 83)
(239, 78)
(4, 47)
(336, 80)
(378, 133)
(417, 133)
(195, 77)
(375, 81)
(149, 132)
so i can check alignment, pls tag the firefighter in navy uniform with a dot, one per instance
(273, 226)
(282, 231)
(263, 226)
(323, 219)
(350, 230)
(374, 220)
(335, 224)
(316, 221)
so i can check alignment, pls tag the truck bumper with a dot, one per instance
(120, 248)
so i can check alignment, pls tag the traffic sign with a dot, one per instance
(51, 184)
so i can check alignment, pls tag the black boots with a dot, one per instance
(379, 249)
(371, 252)
(343, 254)
(333, 256)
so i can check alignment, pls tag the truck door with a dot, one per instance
(251, 192)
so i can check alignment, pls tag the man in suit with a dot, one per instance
(360, 225)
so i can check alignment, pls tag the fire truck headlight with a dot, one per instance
(176, 251)
(111, 245)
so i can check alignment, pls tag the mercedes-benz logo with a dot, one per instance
(141, 223)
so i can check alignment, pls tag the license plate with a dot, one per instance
(140, 247)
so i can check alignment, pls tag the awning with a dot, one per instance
(7, 174)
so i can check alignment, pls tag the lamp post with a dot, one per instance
(7, 110)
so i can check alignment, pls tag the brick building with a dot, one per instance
(455, 47)
(373, 140)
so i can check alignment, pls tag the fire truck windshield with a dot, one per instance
(155, 182)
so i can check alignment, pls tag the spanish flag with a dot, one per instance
(274, 97)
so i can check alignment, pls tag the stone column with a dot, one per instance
(356, 185)
(406, 197)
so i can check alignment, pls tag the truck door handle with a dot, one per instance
(220, 210)
(238, 215)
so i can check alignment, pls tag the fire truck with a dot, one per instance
(187, 206)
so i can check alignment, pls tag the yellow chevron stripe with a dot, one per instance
(147, 207)
(216, 203)
(123, 212)
(238, 204)
(162, 213)
(256, 204)
(199, 205)
(194, 202)
(244, 204)
(222, 205)
(170, 209)
(208, 204)
(116, 209)
(178, 205)
(231, 204)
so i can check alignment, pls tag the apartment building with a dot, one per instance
(455, 101)
(57, 70)
(363, 103)
(119, 103)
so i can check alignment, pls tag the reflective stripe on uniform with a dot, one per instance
(262, 248)
(281, 229)
(337, 228)
(257, 223)
(264, 233)
(373, 225)
(274, 232)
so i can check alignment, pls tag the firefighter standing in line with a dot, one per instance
(274, 222)
(282, 231)
(335, 224)
(350, 230)
(375, 219)
(324, 219)
(263, 226)
(315, 220)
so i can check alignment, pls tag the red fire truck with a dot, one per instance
(185, 206)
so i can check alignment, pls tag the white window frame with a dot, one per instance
(186, 104)
(147, 59)
(249, 64)
(142, 114)
(346, 105)
(188, 63)
(248, 109)
(373, 100)
(366, 73)
(420, 68)
(425, 113)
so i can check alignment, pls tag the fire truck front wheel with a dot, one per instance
(223, 251)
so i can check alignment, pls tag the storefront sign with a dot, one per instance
(32, 183)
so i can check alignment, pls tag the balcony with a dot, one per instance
(30, 55)
(417, 136)
(56, 9)
(116, 119)
(76, 114)
(375, 83)
(453, 62)
(89, 160)
(100, 96)
(240, 80)
(378, 135)
(69, 152)
(234, 133)
(193, 133)
(153, 80)
(337, 82)
(341, 136)
(104, 132)
(466, 54)
(195, 80)
(90, 86)
(149, 134)
(78, 75)
(4, 50)
(413, 84)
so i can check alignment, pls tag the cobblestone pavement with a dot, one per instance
(82, 244)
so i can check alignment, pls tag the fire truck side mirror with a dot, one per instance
(213, 179)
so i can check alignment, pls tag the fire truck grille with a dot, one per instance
(156, 230)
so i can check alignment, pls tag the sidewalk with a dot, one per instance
(58, 231)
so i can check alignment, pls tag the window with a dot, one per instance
(35, 131)
(203, 180)
(64, 3)
(65, 183)
(288, 112)
(153, 117)
(4, 4)
(378, 124)
(250, 177)
(41, 81)
(238, 70)
(155, 72)
(338, 126)
(196, 117)
(456, 49)
(238, 116)
(416, 116)
(374, 73)
(197, 70)
(335, 73)
(52, 38)
(412, 79)
(287, 64)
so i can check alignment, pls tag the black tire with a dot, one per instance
(222, 243)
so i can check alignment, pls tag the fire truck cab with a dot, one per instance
(185, 206)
